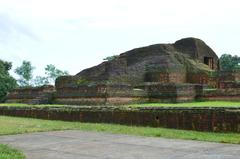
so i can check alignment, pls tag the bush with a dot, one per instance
(7, 82)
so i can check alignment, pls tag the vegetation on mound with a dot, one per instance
(187, 104)
(16, 125)
(9, 153)
(30, 105)
(191, 104)
(192, 66)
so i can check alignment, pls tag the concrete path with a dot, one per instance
(91, 145)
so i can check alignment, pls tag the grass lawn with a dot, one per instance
(15, 125)
(192, 104)
(9, 153)
(187, 104)
(30, 105)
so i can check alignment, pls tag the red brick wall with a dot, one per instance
(199, 119)
(161, 77)
(28, 95)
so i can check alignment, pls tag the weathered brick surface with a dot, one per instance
(164, 77)
(121, 94)
(204, 79)
(36, 95)
(165, 63)
(229, 79)
(199, 119)
(126, 94)
(117, 94)
(229, 76)
(230, 94)
(173, 92)
(99, 95)
(229, 84)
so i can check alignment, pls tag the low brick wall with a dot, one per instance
(31, 95)
(230, 94)
(199, 119)
(204, 79)
(99, 95)
(229, 75)
(173, 92)
(229, 85)
(126, 94)
(166, 77)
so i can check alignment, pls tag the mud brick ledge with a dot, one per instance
(222, 119)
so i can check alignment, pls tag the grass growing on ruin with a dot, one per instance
(16, 125)
(187, 104)
(9, 153)
(192, 104)
(30, 105)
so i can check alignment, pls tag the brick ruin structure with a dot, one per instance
(35, 95)
(183, 71)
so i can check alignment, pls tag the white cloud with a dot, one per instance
(78, 30)
(124, 13)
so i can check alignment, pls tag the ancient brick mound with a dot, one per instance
(184, 71)
(188, 60)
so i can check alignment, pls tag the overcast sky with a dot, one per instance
(76, 34)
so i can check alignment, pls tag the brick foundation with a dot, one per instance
(199, 119)
(36, 95)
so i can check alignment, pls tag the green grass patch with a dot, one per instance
(9, 153)
(191, 104)
(13, 104)
(16, 125)
(187, 104)
(30, 105)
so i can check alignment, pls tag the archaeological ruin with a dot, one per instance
(186, 70)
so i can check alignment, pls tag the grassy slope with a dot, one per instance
(9, 153)
(13, 125)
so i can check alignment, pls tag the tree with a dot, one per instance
(7, 82)
(110, 58)
(229, 62)
(40, 81)
(25, 71)
(53, 73)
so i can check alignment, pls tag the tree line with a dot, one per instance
(25, 77)
(25, 73)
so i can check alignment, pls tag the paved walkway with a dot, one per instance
(91, 145)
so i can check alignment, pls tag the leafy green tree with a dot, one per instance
(7, 82)
(53, 73)
(110, 58)
(25, 72)
(229, 62)
(40, 81)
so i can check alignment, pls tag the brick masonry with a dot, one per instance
(199, 119)
(226, 87)
(31, 95)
